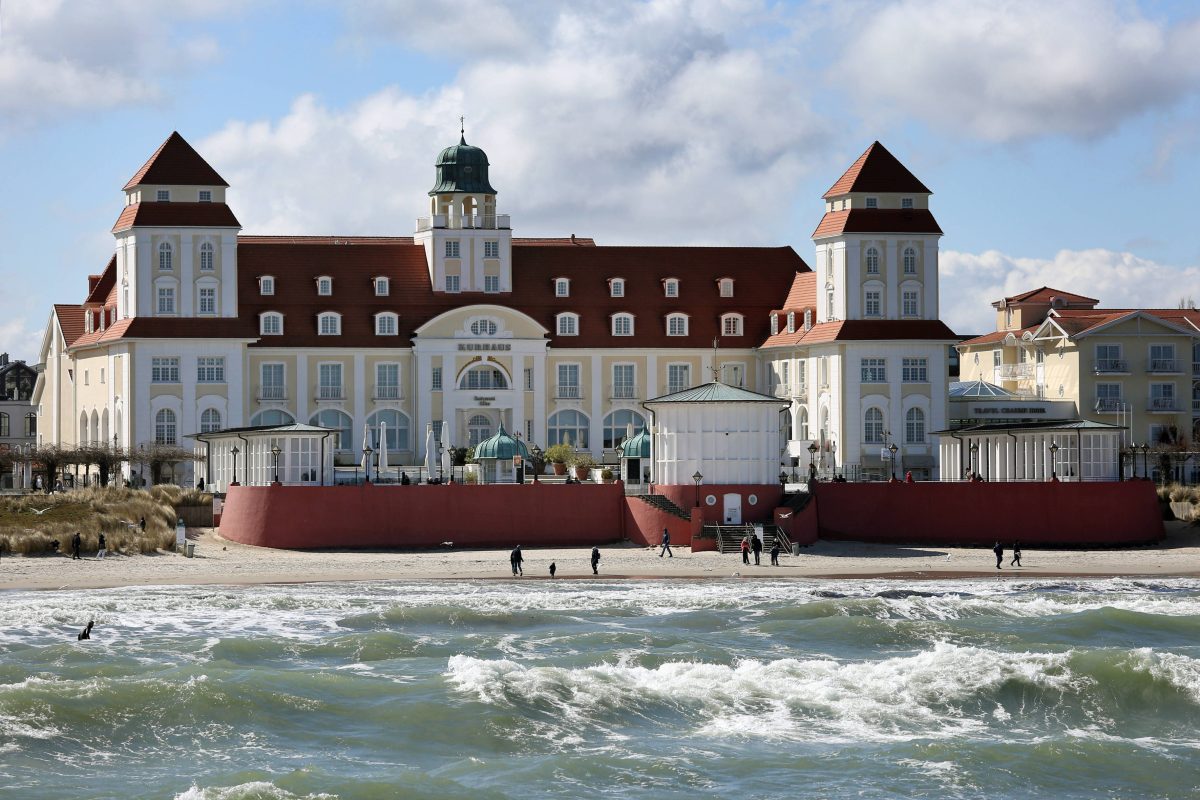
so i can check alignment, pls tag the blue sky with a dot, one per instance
(1060, 139)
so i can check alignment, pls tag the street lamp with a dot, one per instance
(275, 451)
(812, 461)
(1146, 460)
(1053, 457)
(974, 448)
(892, 449)
(142, 465)
(367, 463)
(234, 452)
(536, 453)
(697, 477)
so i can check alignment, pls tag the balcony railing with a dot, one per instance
(621, 391)
(568, 392)
(329, 393)
(1110, 405)
(1163, 404)
(1196, 406)
(1016, 370)
(1196, 368)
(387, 393)
(792, 390)
(272, 393)
(672, 388)
(1162, 365)
(468, 222)
(1111, 365)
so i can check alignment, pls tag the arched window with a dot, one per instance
(210, 421)
(804, 424)
(671, 287)
(206, 256)
(562, 287)
(914, 426)
(164, 256)
(620, 425)
(83, 431)
(338, 420)
(568, 427)
(479, 427)
(910, 261)
(791, 322)
(622, 325)
(272, 417)
(568, 324)
(677, 325)
(386, 324)
(483, 376)
(164, 427)
(873, 426)
(484, 327)
(731, 324)
(616, 287)
(329, 324)
(725, 287)
(872, 261)
(270, 323)
(94, 433)
(396, 424)
(104, 427)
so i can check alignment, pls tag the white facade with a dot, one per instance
(725, 442)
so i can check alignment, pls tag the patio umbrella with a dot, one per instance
(383, 460)
(446, 449)
(366, 461)
(430, 452)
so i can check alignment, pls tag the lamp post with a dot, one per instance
(536, 453)
(1053, 459)
(812, 461)
(367, 463)
(892, 449)
(782, 478)
(974, 448)
(142, 465)
(234, 452)
(697, 477)
(1146, 460)
(275, 451)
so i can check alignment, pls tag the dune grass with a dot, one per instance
(28, 524)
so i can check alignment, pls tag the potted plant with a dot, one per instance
(606, 475)
(582, 464)
(559, 455)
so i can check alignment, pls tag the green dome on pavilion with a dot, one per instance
(502, 447)
(462, 168)
(638, 445)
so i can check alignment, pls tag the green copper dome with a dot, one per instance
(502, 447)
(638, 445)
(462, 168)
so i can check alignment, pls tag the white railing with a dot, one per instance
(1164, 404)
(1104, 365)
(1109, 405)
(623, 391)
(387, 393)
(568, 392)
(1163, 365)
(1016, 370)
(272, 393)
(329, 393)
(489, 222)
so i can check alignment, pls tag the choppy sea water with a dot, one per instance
(634, 689)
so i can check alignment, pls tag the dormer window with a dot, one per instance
(386, 324)
(616, 287)
(270, 323)
(382, 287)
(164, 256)
(774, 324)
(568, 324)
(872, 202)
(906, 202)
(206, 256)
(324, 285)
(163, 196)
(725, 287)
(731, 324)
(791, 322)
(808, 319)
(677, 325)
(205, 195)
(622, 325)
(329, 324)
(266, 285)
(562, 287)
(671, 287)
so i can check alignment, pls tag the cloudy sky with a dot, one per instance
(1060, 139)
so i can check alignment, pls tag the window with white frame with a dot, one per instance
(1162, 397)
(528, 379)
(329, 324)
(270, 324)
(616, 287)
(1108, 397)
(166, 300)
(435, 379)
(1162, 358)
(383, 287)
(679, 377)
(622, 325)
(829, 304)
(808, 322)
(483, 376)
(996, 358)
(671, 287)
(387, 381)
(165, 429)
(271, 384)
(568, 426)
(205, 196)
(484, 327)
(210, 369)
(791, 322)
(164, 369)
(206, 256)
(163, 195)
(874, 370)
(873, 303)
(165, 254)
(620, 425)
(731, 325)
(452, 249)
(906, 202)
(452, 283)
(568, 382)
(914, 370)
(914, 426)
(210, 421)
(873, 426)
(266, 285)
(324, 285)
(774, 324)
(624, 386)
(725, 287)
(910, 261)
(340, 422)
(872, 261)
(568, 324)
(562, 287)
(872, 202)
(491, 283)
(491, 249)
(910, 303)
(208, 300)
(677, 325)
(734, 375)
(386, 324)
(329, 381)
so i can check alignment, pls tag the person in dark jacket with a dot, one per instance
(595, 560)
(999, 551)
(517, 560)
(76, 545)
(1016, 559)
(553, 569)
(775, 554)
(666, 544)
(756, 543)
(101, 548)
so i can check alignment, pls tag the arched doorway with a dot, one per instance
(479, 427)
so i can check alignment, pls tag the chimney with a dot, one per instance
(3, 359)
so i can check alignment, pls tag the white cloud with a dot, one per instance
(638, 123)
(1018, 69)
(970, 282)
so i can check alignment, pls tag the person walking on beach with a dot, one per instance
(517, 560)
(775, 554)
(1016, 559)
(745, 549)
(553, 569)
(102, 548)
(595, 560)
(666, 544)
(756, 544)
(999, 551)
(76, 545)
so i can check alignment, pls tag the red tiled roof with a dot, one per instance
(70, 319)
(866, 329)
(996, 336)
(171, 328)
(1044, 294)
(876, 170)
(176, 215)
(105, 284)
(803, 293)
(877, 220)
(176, 163)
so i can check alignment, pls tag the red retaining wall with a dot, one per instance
(767, 495)
(302, 517)
(801, 526)
(644, 524)
(982, 513)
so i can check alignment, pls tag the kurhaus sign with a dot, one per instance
(1008, 410)
(478, 346)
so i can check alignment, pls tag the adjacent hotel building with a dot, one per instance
(192, 327)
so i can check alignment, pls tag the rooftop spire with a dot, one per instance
(462, 130)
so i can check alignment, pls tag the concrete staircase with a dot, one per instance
(663, 504)
(729, 538)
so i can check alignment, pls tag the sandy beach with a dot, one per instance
(219, 561)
